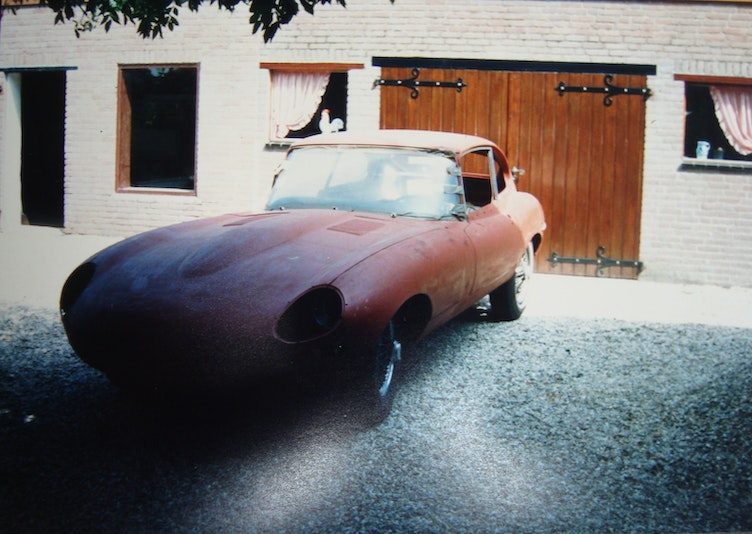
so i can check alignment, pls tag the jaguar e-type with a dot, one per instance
(368, 241)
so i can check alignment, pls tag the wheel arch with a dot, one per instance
(412, 317)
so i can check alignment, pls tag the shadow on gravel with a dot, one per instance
(76, 452)
(533, 426)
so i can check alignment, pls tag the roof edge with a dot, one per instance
(515, 65)
(456, 143)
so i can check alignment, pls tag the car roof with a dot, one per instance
(420, 139)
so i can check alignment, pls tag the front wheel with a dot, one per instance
(377, 385)
(509, 300)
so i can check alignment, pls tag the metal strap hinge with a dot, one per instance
(413, 83)
(609, 89)
(601, 261)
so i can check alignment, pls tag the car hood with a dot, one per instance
(197, 302)
(280, 253)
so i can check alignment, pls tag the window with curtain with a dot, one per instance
(718, 122)
(299, 101)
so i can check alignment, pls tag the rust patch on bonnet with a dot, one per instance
(356, 226)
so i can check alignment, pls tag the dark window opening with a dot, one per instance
(702, 125)
(334, 99)
(477, 190)
(475, 177)
(42, 147)
(157, 134)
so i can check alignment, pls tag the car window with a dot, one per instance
(476, 181)
(395, 181)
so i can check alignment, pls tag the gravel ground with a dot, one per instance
(543, 425)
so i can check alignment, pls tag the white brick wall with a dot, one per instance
(227, 114)
(695, 226)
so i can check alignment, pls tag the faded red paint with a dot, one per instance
(197, 303)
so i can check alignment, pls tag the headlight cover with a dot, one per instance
(312, 315)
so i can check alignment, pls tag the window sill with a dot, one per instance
(279, 144)
(716, 165)
(164, 191)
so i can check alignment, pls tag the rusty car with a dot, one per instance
(368, 242)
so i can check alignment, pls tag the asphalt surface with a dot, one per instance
(542, 425)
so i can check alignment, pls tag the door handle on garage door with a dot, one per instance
(517, 172)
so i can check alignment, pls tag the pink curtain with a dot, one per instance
(295, 98)
(733, 108)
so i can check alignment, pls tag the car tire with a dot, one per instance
(376, 386)
(509, 300)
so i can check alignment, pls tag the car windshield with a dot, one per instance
(394, 181)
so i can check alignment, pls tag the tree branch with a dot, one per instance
(151, 17)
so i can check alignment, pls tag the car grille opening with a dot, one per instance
(75, 285)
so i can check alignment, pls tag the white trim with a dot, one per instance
(717, 163)
(10, 167)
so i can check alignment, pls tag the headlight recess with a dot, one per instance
(312, 315)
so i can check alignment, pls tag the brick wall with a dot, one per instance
(227, 114)
(695, 227)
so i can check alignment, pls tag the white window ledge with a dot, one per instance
(162, 191)
(279, 144)
(716, 165)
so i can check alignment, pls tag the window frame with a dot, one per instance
(124, 139)
(320, 67)
(492, 174)
(690, 163)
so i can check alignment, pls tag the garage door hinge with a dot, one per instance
(601, 261)
(609, 89)
(413, 83)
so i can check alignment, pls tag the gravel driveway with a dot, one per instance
(543, 425)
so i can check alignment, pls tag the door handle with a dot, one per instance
(517, 172)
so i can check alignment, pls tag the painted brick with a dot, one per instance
(695, 226)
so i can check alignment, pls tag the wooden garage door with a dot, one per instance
(583, 159)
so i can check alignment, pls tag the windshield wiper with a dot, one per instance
(414, 214)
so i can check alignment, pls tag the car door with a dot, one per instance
(494, 237)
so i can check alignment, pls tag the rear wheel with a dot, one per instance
(509, 300)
